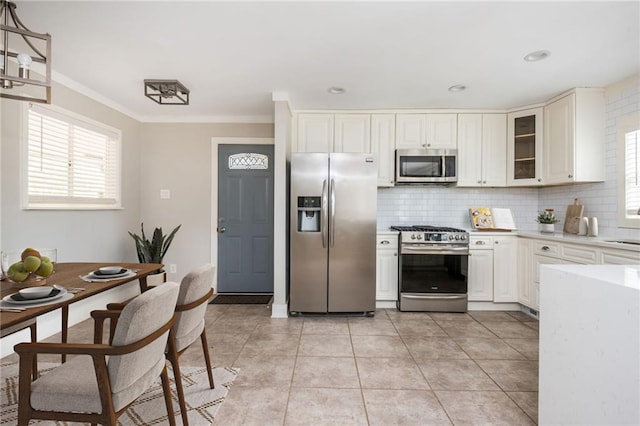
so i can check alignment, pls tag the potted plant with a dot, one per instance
(546, 219)
(153, 251)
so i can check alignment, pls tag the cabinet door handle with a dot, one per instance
(480, 243)
(479, 181)
(484, 181)
(497, 242)
(570, 176)
(385, 242)
(539, 179)
(545, 248)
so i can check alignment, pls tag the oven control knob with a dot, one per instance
(462, 237)
(413, 236)
(419, 236)
(457, 237)
(451, 237)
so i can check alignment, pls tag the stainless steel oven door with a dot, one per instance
(433, 278)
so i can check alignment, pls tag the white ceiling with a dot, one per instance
(234, 55)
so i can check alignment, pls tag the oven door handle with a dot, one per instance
(439, 297)
(447, 250)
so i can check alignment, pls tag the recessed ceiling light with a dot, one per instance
(538, 55)
(336, 90)
(457, 88)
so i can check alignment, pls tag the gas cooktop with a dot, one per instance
(421, 234)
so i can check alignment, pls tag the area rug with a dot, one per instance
(242, 299)
(202, 402)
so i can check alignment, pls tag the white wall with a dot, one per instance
(78, 235)
(600, 199)
(178, 157)
(98, 235)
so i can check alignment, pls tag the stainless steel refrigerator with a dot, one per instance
(333, 233)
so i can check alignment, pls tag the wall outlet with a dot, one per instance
(173, 268)
(165, 194)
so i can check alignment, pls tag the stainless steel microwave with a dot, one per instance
(419, 166)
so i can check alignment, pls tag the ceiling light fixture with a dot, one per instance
(538, 55)
(335, 90)
(19, 48)
(166, 92)
(457, 88)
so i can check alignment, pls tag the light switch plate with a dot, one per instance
(165, 194)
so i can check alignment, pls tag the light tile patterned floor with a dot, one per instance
(396, 368)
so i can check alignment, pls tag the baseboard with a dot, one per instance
(279, 310)
(490, 306)
(385, 304)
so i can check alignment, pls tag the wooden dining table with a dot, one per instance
(69, 275)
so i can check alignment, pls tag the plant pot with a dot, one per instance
(156, 279)
(547, 227)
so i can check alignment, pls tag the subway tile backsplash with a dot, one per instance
(449, 206)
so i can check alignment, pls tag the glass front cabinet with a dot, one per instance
(524, 150)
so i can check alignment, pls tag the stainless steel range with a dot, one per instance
(433, 267)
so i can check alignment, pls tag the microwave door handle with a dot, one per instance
(444, 166)
(323, 215)
(332, 218)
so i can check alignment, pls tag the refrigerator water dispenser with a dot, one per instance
(309, 214)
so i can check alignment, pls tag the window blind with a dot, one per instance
(632, 172)
(73, 162)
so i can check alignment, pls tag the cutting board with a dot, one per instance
(573, 217)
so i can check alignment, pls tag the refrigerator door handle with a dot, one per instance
(324, 222)
(332, 218)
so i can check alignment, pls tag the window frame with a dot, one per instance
(625, 124)
(78, 120)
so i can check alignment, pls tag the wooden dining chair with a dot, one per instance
(195, 292)
(100, 383)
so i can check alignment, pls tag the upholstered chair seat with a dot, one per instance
(100, 381)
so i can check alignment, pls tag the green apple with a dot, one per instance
(45, 269)
(31, 263)
(17, 272)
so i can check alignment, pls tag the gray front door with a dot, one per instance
(245, 218)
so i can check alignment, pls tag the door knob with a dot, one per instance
(222, 229)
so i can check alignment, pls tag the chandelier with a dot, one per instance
(19, 49)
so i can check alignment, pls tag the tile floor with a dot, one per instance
(396, 368)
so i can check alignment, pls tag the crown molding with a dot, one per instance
(84, 90)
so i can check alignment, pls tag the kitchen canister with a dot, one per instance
(593, 226)
(583, 226)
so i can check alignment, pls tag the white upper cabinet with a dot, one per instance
(383, 132)
(574, 140)
(524, 147)
(423, 131)
(442, 131)
(410, 131)
(482, 149)
(315, 133)
(494, 149)
(333, 133)
(352, 133)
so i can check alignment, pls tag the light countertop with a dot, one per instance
(560, 237)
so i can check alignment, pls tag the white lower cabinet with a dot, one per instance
(480, 285)
(505, 271)
(387, 266)
(525, 282)
(532, 253)
(492, 269)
